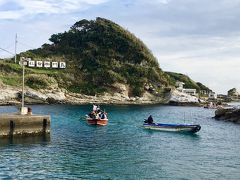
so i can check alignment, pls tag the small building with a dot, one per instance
(222, 96)
(192, 92)
(234, 93)
(179, 85)
(212, 95)
(204, 92)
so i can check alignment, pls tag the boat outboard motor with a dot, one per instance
(197, 128)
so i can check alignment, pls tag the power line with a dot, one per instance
(7, 51)
(15, 55)
(8, 47)
(26, 45)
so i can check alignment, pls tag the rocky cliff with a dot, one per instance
(12, 96)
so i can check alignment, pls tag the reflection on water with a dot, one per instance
(28, 140)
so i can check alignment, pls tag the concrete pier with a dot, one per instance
(24, 125)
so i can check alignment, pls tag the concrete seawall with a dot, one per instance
(24, 125)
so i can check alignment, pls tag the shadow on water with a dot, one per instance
(28, 140)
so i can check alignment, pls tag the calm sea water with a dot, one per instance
(123, 149)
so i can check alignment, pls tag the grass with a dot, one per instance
(11, 74)
(12, 80)
(43, 71)
(37, 81)
(11, 67)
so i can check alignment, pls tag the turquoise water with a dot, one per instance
(123, 150)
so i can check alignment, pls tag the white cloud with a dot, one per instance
(2, 2)
(10, 15)
(30, 7)
(157, 1)
(198, 38)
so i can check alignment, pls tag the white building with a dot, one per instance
(192, 92)
(212, 95)
(179, 85)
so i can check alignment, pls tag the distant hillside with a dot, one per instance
(189, 83)
(100, 53)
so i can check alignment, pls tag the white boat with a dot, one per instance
(173, 127)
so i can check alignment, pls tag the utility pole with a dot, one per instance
(15, 58)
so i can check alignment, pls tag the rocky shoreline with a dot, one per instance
(12, 96)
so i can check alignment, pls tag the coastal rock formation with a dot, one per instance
(179, 98)
(120, 95)
(116, 98)
(12, 95)
(230, 114)
(8, 95)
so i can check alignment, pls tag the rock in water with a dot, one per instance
(231, 114)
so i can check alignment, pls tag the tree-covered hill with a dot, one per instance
(188, 82)
(100, 53)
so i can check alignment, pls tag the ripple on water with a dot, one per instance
(123, 149)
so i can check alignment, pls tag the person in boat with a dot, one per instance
(103, 115)
(149, 120)
(98, 108)
(92, 115)
(97, 116)
(94, 108)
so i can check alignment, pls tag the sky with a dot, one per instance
(198, 38)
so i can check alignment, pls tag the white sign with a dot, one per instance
(31, 63)
(54, 64)
(39, 64)
(62, 65)
(47, 64)
(23, 62)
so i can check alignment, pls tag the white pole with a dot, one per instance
(15, 58)
(23, 73)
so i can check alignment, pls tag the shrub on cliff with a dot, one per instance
(37, 81)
